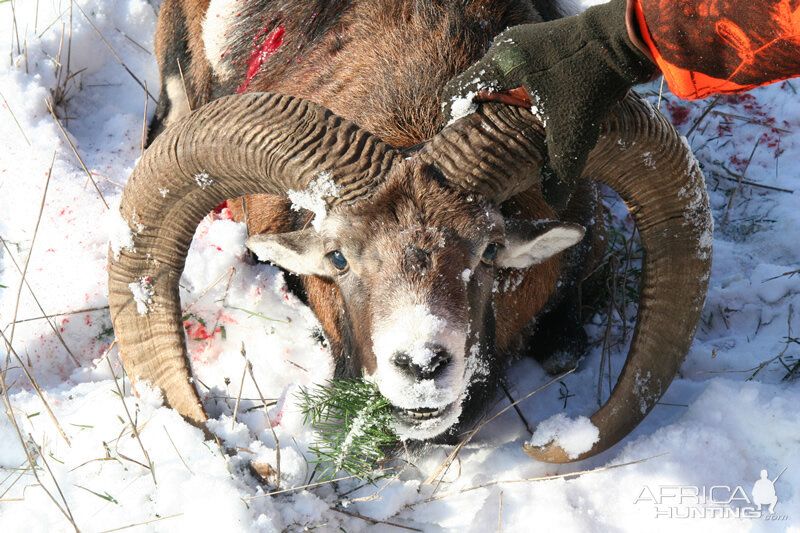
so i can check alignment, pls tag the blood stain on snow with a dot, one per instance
(261, 53)
(679, 113)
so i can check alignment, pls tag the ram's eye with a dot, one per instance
(490, 253)
(338, 260)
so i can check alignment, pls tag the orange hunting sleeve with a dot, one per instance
(705, 47)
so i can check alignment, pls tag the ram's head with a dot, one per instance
(412, 241)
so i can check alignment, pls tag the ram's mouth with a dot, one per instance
(421, 414)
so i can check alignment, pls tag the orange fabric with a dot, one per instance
(757, 66)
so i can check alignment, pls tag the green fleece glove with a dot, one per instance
(575, 70)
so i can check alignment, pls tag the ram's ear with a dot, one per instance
(528, 243)
(300, 252)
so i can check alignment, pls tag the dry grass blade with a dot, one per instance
(450, 458)
(185, 92)
(310, 485)
(75, 151)
(53, 477)
(144, 119)
(160, 518)
(176, 451)
(605, 358)
(133, 425)
(778, 357)
(53, 22)
(39, 305)
(30, 250)
(10, 412)
(752, 120)
(15, 118)
(228, 272)
(241, 387)
(106, 353)
(38, 390)
(541, 478)
(516, 408)
(736, 177)
(373, 521)
(65, 313)
(739, 183)
(703, 115)
(500, 514)
(269, 420)
(109, 180)
(22, 472)
(16, 30)
(374, 496)
(142, 48)
(114, 53)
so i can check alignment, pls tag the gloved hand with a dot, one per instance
(575, 70)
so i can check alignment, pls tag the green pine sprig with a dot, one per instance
(353, 423)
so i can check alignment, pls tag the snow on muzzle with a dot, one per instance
(421, 369)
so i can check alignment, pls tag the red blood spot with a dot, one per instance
(680, 114)
(260, 54)
(217, 210)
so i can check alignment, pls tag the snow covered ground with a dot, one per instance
(728, 415)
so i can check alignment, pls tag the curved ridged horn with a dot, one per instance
(642, 157)
(254, 143)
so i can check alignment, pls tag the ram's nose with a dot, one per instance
(431, 365)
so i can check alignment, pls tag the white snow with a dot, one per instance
(313, 198)
(203, 180)
(142, 291)
(574, 435)
(462, 106)
(120, 235)
(728, 414)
